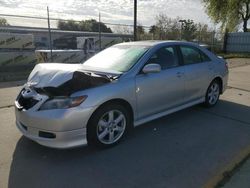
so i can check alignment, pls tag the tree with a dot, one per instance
(204, 33)
(188, 29)
(140, 29)
(162, 26)
(153, 29)
(229, 12)
(140, 32)
(122, 29)
(167, 28)
(3, 22)
(85, 25)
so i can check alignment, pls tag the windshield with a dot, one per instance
(119, 58)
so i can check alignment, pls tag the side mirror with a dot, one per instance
(151, 68)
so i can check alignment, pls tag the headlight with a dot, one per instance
(62, 103)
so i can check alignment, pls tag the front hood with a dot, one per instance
(55, 74)
(51, 74)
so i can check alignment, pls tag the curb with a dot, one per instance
(7, 106)
(12, 84)
(223, 173)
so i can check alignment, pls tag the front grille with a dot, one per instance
(26, 103)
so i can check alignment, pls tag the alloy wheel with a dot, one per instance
(213, 93)
(111, 127)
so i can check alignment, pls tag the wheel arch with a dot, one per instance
(119, 101)
(220, 81)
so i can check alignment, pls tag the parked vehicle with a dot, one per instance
(126, 85)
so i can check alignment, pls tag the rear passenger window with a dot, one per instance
(166, 57)
(193, 55)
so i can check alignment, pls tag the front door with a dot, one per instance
(157, 92)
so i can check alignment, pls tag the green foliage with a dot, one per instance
(188, 29)
(84, 25)
(140, 29)
(166, 28)
(3, 22)
(230, 13)
(153, 29)
(140, 32)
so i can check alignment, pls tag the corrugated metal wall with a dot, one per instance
(238, 42)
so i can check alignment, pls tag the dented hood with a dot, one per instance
(55, 74)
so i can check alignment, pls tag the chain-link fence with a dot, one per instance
(25, 40)
(212, 40)
(32, 24)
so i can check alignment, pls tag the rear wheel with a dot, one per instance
(213, 94)
(108, 125)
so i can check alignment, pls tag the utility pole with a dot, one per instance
(100, 36)
(135, 20)
(50, 43)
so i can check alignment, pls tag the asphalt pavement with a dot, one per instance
(191, 148)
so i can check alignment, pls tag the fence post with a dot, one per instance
(225, 41)
(135, 20)
(213, 42)
(50, 43)
(100, 36)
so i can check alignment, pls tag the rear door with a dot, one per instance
(157, 92)
(198, 72)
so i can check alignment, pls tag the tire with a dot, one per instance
(212, 94)
(108, 125)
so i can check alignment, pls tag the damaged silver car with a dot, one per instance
(69, 105)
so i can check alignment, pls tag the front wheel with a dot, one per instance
(108, 125)
(213, 94)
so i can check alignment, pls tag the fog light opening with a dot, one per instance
(44, 134)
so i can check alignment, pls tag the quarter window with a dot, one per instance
(204, 57)
(166, 57)
(193, 55)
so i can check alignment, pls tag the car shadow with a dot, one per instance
(183, 149)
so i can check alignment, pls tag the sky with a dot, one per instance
(112, 11)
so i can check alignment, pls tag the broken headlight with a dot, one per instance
(62, 102)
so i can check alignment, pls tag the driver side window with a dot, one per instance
(166, 57)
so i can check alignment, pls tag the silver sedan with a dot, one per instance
(126, 85)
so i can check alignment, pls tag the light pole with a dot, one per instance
(135, 20)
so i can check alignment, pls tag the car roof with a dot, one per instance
(155, 43)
